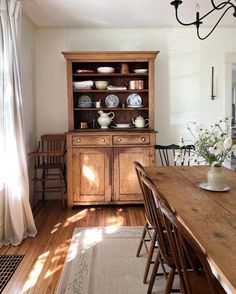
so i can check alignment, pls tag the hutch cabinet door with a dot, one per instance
(126, 186)
(91, 174)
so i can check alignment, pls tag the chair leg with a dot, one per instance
(145, 228)
(34, 187)
(62, 192)
(43, 184)
(170, 281)
(149, 258)
(154, 272)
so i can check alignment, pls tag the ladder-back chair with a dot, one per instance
(49, 165)
(167, 154)
(199, 278)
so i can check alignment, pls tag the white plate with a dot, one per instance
(140, 70)
(122, 125)
(134, 100)
(206, 186)
(112, 100)
(115, 127)
(134, 106)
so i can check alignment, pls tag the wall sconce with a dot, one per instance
(213, 84)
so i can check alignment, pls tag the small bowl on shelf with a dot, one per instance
(141, 70)
(106, 69)
(101, 85)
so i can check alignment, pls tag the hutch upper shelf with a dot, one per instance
(80, 62)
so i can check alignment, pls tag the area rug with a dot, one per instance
(103, 261)
(8, 265)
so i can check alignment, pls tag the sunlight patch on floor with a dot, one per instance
(92, 237)
(74, 218)
(35, 273)
(113, 223)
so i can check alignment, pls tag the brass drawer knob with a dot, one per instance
(78, 140)
(103, 140)
(119, 139)
(143, 139)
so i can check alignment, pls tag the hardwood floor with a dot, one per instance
(40, 269)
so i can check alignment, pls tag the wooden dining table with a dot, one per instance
(209, 216)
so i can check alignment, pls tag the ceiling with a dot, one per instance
(116, 13)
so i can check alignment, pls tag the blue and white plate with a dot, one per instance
(134, 100)
(84, 101)
(112, 100)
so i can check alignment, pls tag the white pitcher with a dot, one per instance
(104, 119)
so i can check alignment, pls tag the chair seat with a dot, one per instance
(49, 166)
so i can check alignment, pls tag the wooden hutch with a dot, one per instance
(100, 161)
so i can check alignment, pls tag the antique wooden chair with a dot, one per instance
(149, 233)
(167, 153)
(164, 253)
(198, 279)
(49, 165)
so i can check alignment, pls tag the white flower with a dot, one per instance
(181, 142)
(221, 136)
(193, 160)
(179, 157)
(199, 129)
(228, 143)
(216, 149)
(234, 150)
(226, 119)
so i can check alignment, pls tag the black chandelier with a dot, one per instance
(225, 5)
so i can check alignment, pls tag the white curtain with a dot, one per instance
(16, 216)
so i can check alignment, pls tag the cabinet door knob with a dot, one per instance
(119, 139)
(143, 139)
(103, 140)
(78, 140)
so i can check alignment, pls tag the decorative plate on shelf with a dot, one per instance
(134, 106)
(134, 100)
(112, 100)
(84, 101)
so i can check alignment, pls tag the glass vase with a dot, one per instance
(216, 178)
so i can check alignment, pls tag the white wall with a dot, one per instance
(28, 82)
(28, 87)
(182, 81)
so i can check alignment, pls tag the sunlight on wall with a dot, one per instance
(184, 83)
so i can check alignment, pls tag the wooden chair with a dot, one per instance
(167, 153)
(198, 279)
(164, 252)
(49, 165)
(149, 234)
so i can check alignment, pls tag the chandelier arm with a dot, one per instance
(217, 8)
(182, 23)
(203, 38)
(222, 5)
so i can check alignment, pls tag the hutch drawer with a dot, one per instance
(90, 140)
(143, 139)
